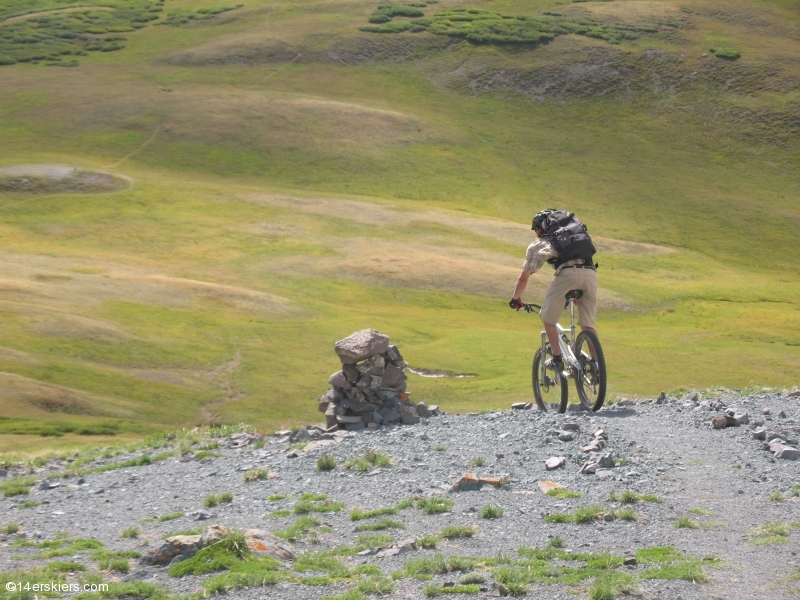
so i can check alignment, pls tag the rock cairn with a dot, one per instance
(370, 389)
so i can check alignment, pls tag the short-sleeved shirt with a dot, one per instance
(539, 252)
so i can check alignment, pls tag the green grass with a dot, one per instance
(326, 462)
(686, 523)
(700, 511)
(630, 496)
(350, 164)
(256, 475)
(299, 528)
(428, 541)
(457, 531)
(434, 505)
(213, 500)
(184, 532)
(370, 460)
(433, 589)
(771, 533)
(130, 532)
(357, 514)
(587, 514)
(10, 528)
(29, 504)
(552, 565)
(478, 461)
(491, 512)
(561, 493)
(322, 505)
(17, 487)
(276, 497)
(381, 525)
(170, 516)
(374, 540)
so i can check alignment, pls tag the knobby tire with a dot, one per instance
(535, 380)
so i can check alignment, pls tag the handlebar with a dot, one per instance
(529, 307)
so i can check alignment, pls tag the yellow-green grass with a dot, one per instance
(275, 208)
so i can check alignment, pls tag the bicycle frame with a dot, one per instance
(564, 342)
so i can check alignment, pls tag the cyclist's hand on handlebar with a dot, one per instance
(516, 303)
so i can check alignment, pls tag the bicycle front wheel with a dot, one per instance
(550, 388)
(590, 377)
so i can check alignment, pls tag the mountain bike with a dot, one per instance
(583, 357)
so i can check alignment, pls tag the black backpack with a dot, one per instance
(568, 237)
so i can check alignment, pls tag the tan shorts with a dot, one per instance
(567, 280)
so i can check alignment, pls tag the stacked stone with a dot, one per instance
(370, 389)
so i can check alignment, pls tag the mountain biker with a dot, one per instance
(573, 274)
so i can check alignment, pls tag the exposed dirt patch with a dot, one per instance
(243, 51)
(390, 215)
(55, 179)
(62, 289)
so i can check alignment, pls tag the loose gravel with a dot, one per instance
(668, 450)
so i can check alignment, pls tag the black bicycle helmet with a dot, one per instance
(539, 218)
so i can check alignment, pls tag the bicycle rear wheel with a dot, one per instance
(590, 379)
(550, 389)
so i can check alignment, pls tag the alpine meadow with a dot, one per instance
(198, 199)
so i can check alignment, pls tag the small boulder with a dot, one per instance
(719, 422)
(787, 453)
(570, 427)
(409, 415)
(554, 462)
(361, 345)
(263, 543)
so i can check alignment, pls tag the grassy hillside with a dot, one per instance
(294, 178)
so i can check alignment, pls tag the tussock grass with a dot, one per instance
(771, 533)
(256, 475)
(17, 487)
(326, 462)
(457, 531)
(213, 500)
(381, 525)
(300, 527)
(630, 496)
(561, 493)
(491, 512)
(430, 505)
(374, 540)
(686, 523)
(357, 514)
(316, 503)
(130, 532)
(170, 516)
(371, 459)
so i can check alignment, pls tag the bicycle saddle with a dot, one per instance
(574, 294)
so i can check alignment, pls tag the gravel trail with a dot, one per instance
(720, 479)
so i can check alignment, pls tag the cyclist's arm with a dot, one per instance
(522, 283)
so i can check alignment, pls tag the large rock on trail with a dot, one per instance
(361, 345)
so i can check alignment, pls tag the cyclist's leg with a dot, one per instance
(553, 305)
(587, 304)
